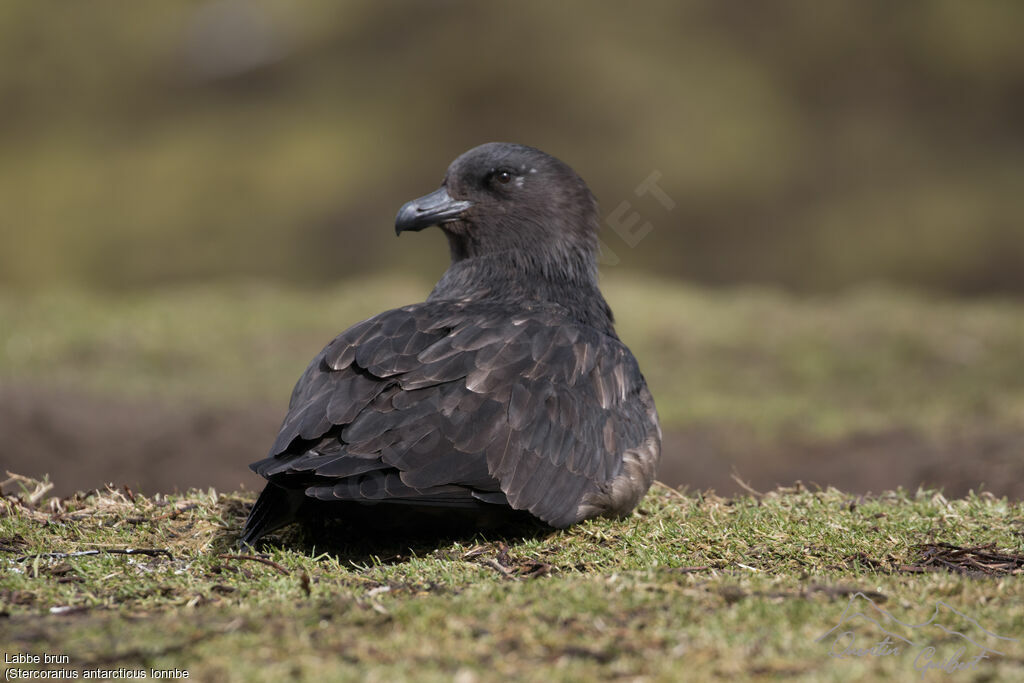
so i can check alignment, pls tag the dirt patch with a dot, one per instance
(865, 463)
(85, 441)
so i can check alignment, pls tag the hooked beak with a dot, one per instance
(433, 209)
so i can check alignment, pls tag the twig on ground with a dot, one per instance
(493, 564)
(982, 558)
(167, 515)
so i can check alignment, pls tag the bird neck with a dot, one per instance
(515, 277)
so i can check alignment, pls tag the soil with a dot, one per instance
(84, 441)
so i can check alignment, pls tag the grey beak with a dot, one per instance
(432, 209)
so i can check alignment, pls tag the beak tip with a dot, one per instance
(433, 209)
(408, 218)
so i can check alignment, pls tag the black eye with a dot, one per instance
(503, 177)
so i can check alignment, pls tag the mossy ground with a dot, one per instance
(691, 586)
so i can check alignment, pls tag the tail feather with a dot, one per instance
(275, 508)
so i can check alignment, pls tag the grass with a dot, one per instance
(870, 360)
(692, 585)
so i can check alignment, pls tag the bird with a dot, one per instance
(506, 390)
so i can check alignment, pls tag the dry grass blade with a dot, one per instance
(38, 488)
(982, 558)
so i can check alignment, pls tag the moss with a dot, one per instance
(693, 584)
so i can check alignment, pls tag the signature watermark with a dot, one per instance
(867, 630)
(629, 224)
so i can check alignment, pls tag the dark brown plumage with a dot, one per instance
(506, 389)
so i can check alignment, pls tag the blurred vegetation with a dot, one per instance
(776, 365)
(812, 145)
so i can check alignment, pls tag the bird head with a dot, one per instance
(502, 196)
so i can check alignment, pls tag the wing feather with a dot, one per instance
(458, 404)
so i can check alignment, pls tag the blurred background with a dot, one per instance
(826, 285)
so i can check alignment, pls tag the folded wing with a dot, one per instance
(460, 404)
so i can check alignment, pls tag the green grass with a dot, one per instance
(692, 585)
(867, 361)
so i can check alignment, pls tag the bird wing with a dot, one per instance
(450, 403)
